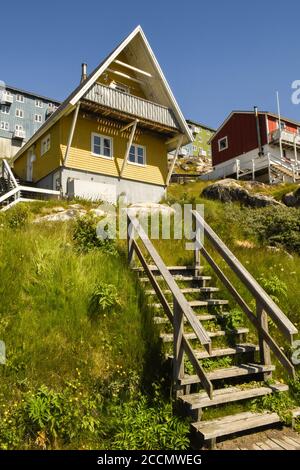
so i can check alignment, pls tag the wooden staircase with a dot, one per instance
(193, 320)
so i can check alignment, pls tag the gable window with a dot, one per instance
(137, 155)
(4, 109)
(20, 98)
(37, 118)
(4, 125)
(223, 143)
(101, 146)
(19, 113)
(45, 144)
(38, 103)
(120, 87)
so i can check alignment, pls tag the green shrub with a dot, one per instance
(274, 287)
(17, 217)
(105, 299)
(142, 424)
(86, 239)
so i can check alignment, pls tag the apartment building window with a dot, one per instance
(19, 113)
(4, 125)
(137, 155)
(18, 127)
(101, 146)
(45, 144)
(37, 118)
(223, 143)
(38, 103)
(20, 98)
(4, 109)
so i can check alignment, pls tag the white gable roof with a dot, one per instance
(156, 84)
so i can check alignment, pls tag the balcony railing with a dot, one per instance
(289, 137)
(132, 105)
(6, 98)
(19, 134)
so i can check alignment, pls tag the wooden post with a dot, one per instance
(130, 238)
(265, 354)
(178, 361)
(197, 259)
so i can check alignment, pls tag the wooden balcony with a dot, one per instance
(128, 107)
(290, 139)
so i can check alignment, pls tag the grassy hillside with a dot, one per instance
(83, 357)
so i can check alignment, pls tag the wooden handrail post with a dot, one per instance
(265, 353)
(197, 258)
(130, 239)
(178, 361)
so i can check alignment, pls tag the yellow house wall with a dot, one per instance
(81, 158)
(44, 164)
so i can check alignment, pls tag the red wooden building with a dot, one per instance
(256, 145)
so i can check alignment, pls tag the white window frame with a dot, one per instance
(20, 98)
(5, 109)
(136, 146)
(19, 127)
(4, 126)
(118, 86)
(38, 103)
(38, 116)
(101, 154)
(45, 149)
(219, 143)
(19, 113)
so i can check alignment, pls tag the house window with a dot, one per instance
(282, 125)
(101, 146)
(137, 155)
(19, 113)
(37, 118)
(4, 125)
(18, 127)
(20, 98)
(4, 109)
(223, 143)
(120, 87)
(38, 103)
(45, 144)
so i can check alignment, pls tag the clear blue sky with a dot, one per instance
(217, 55)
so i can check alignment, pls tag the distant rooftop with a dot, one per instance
(199, 124)
(36, 95)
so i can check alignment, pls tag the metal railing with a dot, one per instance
(130, 104)
(15, 192)
(264, 304)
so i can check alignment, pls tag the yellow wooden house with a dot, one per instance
(112, 135)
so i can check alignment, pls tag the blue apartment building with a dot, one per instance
(21, 114)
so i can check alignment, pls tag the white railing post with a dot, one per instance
(253, 169)
(237, 167)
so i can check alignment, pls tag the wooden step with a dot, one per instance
(229, 372)
(199, 303)
(230, 394)
(207, 302)
(154, 268)
(203, 317)
(187, 290)
(179, 277)
(238, 349)
(234, 423)
(168, 337)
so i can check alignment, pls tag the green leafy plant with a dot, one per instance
(276, 288)
(17, 217)
(233, 320)
(104, 299)
(85, 236)
(281, 403)
(145, 424)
